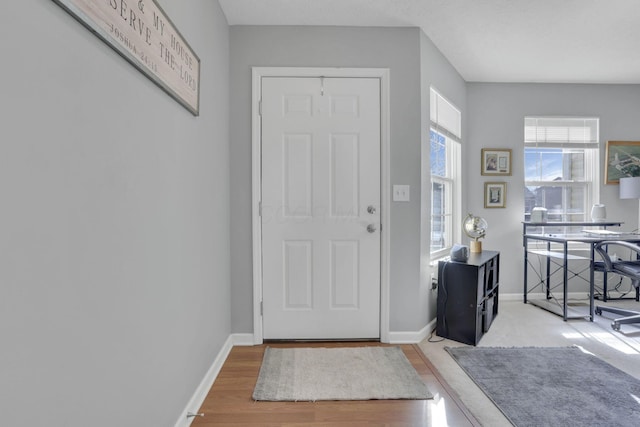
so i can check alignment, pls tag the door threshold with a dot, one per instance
(320, 340)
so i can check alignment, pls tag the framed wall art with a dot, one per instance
(142, 33)
(622, 160)
(496, 161)
(495, 194)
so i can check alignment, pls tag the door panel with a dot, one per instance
(320, 173)
(297, 178)
(298, 267)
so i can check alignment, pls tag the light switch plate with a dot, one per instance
(401, 193)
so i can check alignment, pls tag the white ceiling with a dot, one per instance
(563, 41)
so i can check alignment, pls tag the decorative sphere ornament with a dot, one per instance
(475, 227)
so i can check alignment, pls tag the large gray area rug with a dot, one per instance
(349, 373)
(553, 386)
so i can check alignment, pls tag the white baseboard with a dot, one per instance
(416, 337)
(243, 339)
(412, 337)
(511, 297)
(541, 295)
(205, 385)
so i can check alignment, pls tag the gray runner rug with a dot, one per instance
(347, 373)
(552, 386)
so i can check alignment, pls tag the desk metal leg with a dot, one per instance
(524, 245)
(565, 285)
(592, 286)
(548, 281)
(525, 270)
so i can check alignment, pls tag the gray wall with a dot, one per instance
(400, 50)
(496, 118)
(114, 286)
(436, 71)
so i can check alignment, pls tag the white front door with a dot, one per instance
(320, 210)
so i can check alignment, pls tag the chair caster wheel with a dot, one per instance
(598, 311)
(615, 326)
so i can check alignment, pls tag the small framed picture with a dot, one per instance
(496, 161)
(495, 194)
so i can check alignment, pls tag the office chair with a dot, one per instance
(630, 269)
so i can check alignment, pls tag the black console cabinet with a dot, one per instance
(468, 296)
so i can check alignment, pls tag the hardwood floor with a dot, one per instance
(229, 401)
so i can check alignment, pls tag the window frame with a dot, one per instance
(451, 182)
(590, 149)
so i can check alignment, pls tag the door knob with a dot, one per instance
(371, 209)
(371, 228)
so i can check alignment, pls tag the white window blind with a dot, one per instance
(445, 115)
(561, 132)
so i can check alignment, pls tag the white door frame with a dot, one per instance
(256, 154)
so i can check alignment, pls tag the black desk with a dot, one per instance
(564, 240)
(552, 226)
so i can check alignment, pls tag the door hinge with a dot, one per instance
(261, 308)
(260, 209)
(260, 107)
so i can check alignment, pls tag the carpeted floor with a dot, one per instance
(552, 386)
(524, 325)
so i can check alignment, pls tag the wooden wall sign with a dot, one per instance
(141, 32)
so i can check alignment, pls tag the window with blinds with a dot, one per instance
(561, 166)
(445, 134)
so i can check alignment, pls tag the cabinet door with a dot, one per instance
(491, 277)
(482, 276)
(459, 314)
